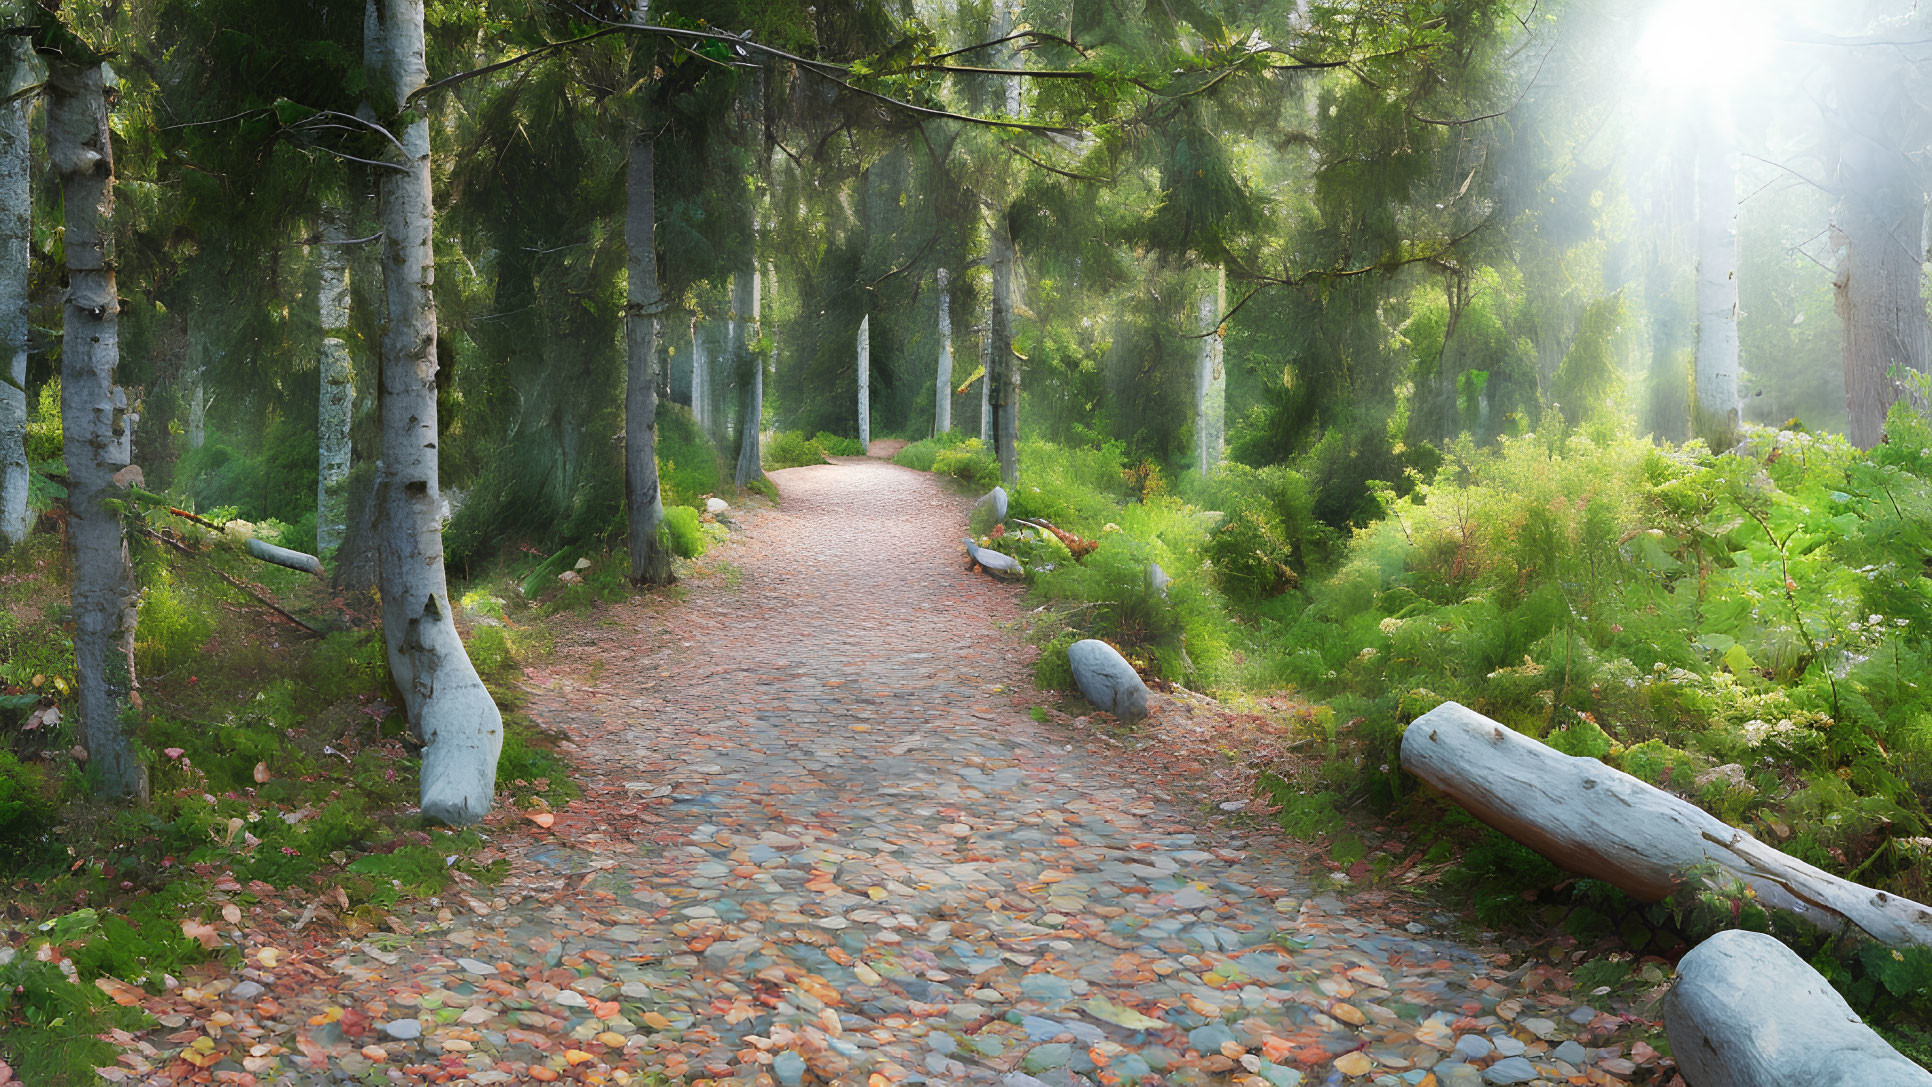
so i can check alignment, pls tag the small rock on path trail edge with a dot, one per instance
(821, 842)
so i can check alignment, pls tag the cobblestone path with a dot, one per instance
(822, 842)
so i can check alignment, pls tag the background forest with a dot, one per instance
(1564, 359)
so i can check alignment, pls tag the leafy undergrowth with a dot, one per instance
(283, 790)
(1751, 632)
(792, 449)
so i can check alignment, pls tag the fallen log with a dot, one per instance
(1748, 1012)
(1598, 821)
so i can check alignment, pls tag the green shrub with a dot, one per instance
(25, 806)
(969, 463)
(171, 628)
(834, 445)
(43, 439)
(683, 531)
(490, 650)
(1268, 534)
(348, 663)
(790, 449)
(688, 467)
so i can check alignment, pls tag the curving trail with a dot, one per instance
(822, 842)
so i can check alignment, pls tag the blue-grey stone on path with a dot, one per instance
(403, 1030)
(789, 1067)
(1572, 1054)
(1509, 1070)
(1458, 1075)
(1045, 1058)
(1107, 680)
(1474, 1047)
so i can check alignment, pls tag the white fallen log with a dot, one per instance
(1597, 821)
(282, 556)
(1748, 1012)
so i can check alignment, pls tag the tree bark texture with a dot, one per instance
(97, 427)
(643, 496)
(1211, 379)
(1746, 1011)
(16, 224)
(1878, 229)
(448, 706)
(338, 392)
(1600, 822)
(1719, 411)
(986, 377)
(865, 383)
(1003, 371)
(745, 300)
(942, 404)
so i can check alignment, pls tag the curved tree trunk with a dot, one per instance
(644, 500)
(1718, 416)
(338, 398)
(96, 425)
(942, 405)
(448, 706)
(16, 222)
(1879, 229)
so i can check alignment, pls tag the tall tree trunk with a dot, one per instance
(338, 390)
(1005, 21)
(96, 425)
(942, 405)
(1003, 371)
(1878, 229)
(16, 223)
(865, 383)
(986, 376)
(751, 375)
(1718, 412)
(448, 706)
(644, 500)
(696, 391)
(1211, 379)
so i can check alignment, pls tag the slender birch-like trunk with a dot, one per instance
(1003, 371)
(196, 394)
(865, 382)
(449, 708)
(338, 391)
(1211, 380)
(942, 405)
(745, 300)
(1719, 412)
(644, 500)
(96, 426)
(697, 373)
(16, 224)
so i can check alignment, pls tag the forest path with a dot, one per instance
(821, 841)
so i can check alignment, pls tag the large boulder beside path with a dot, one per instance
(1107, 680)
(1746, 1011)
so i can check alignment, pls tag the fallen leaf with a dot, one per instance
(542, 818)
(201, 932)
(261, 773)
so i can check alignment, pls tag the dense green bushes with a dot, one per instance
(790, 449)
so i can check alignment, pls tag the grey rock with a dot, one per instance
(716, 506)
(403, 1030)
(1508, 1046)
(1107, 680)
(990, 510)
(1474, 1047)
(1045, 1058)
(1509, 1070)
(1571, 1053)
(476, 966)
(247, 990)
(789, 1067)
(995, 563)
(1458, 1075)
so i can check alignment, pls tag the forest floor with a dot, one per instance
(824, 837)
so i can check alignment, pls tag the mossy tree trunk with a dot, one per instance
(97, 427)
(16, 224)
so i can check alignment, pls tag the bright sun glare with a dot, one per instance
(1704, 44)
